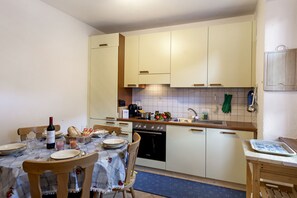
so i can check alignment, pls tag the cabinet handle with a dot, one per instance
(215, 84)
(131, 85)
(110, 118)
(198, 85)
(122, 123)
(124, 134)
(109, 123)
(144, 72)
(281, 84)
(103, 45)
(228, 133)
(196, 130)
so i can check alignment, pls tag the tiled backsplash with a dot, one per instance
(177, 101)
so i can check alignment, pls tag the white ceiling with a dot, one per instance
(111, 16)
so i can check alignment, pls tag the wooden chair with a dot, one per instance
(130, 173)
(38, 130)
(61, 168)
(110, 129)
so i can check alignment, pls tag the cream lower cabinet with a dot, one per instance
(185, 150)
(224, 155)
(189, 57)
(230, 55)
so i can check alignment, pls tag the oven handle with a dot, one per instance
(155, 133)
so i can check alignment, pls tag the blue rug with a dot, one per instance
(174, 187)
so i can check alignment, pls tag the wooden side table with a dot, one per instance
(280, 172)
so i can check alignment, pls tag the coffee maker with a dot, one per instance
(133, 110)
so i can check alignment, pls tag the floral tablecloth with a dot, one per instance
(109, 171)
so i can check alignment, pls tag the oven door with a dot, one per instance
(152, 145)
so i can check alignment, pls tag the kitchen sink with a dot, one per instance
(188, 120)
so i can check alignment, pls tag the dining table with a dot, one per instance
(108, 173)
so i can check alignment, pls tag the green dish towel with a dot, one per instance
(226, 108)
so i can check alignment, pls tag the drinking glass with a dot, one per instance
(81, 140)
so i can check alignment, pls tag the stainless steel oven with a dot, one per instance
(153, 141)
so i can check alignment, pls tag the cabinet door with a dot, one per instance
(131, 61)
(189, 57)
(185, 150)
(154, 53)
(225, 159)
(103, 82)
(230, 55)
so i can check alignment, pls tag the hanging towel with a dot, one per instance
(226, 108)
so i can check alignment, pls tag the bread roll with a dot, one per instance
(73, 131)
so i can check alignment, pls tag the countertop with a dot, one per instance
(243, 126)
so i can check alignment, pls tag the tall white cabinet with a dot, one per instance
(185, 150)
(189, 57)
(230, 55)
(106, 76)
(225, 158)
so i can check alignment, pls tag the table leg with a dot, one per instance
(256, 180)
(248, 180)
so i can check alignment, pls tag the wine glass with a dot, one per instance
(81, 140)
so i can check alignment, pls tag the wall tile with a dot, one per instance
(178, 100)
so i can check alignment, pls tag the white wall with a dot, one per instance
(43, 67)
(279, 108)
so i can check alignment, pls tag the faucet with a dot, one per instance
(196, 115)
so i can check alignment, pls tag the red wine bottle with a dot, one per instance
(50, 136)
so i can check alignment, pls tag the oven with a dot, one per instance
(153, 142)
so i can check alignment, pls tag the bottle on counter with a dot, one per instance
(50, 135)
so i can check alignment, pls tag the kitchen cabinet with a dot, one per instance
(230, 55)
(280, 70)
(106, 76)
(225, 158)
(185, 150)
(154, 53)
(131, 61)
(154, 58)
(125, 126)
(189, 57)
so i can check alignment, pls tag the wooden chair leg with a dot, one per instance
(95, 194)
(124, 194)
(132, 192)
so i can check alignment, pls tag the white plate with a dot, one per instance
(110, 146)
(12, 148)
(65, 154)
(113, 141)
(100, 133)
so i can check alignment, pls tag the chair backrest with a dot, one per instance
(110, 129)
(61, 169)
(132, 151)
(38, 130)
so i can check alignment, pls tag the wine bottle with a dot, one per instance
(50, 136)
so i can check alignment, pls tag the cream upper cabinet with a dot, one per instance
(189, 57)
(225, 159)
(230, 55)
(131, 61)
(154, 53)
(185, 150)
(103, 95)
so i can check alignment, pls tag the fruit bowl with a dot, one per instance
(166, 116)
